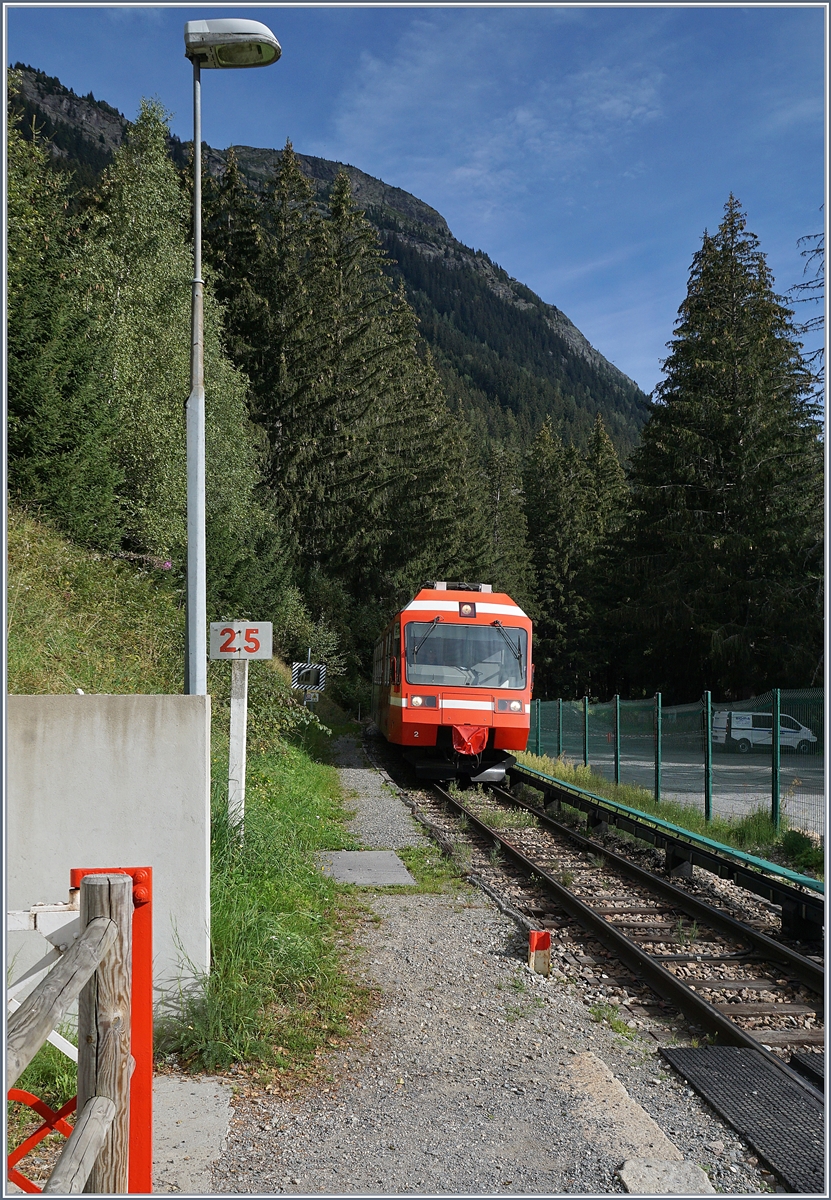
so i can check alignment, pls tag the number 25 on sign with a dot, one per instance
(241, 639)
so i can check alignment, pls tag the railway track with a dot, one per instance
(730, 979)
(650, 954)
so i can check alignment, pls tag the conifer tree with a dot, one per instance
(137, 266)
(811, 290)
(510, 556)
(559, 531)
(608, 494)
(59, 420)
(607, 511)
(237, 247)
(724, 559)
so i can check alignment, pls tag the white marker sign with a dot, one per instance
(241, 639)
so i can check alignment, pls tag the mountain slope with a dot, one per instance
(507, 359)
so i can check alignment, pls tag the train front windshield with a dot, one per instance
(483, 656)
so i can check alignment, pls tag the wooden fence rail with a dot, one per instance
(97, 972)
(44, 1007)
(78, 1156)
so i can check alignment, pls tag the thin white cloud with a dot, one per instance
(465, 105)
(147, 14)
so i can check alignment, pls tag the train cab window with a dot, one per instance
(455, 655)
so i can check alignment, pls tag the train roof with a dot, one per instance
(446, 597)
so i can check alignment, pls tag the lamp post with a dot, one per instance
(213, 44)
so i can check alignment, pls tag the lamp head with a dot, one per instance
(230, 42)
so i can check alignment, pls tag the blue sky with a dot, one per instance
(584, 148)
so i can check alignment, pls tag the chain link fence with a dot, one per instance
(736, 769)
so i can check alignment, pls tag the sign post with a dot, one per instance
(239, 641)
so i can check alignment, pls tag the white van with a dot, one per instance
(743, 731)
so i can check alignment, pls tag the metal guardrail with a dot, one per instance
(802, 910)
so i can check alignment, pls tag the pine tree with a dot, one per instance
(511, 569)
(607, 510)
(237, 247)
(811, 290)
(59, 420)
(724, 574)
(608, 494)
(559, 530)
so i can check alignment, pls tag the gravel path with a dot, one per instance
(474, 1075)
(381, 821)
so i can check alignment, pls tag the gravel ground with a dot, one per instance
(381, 821)
(474, 1075)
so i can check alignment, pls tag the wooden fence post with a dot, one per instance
(104, 1063)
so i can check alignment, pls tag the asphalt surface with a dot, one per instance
(741, 782)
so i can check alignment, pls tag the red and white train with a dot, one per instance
(451, 681)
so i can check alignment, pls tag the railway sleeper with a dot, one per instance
(802, 916)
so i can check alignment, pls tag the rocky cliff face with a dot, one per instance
(102, 126)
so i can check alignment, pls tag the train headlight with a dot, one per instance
(516, 706)
(416, 701)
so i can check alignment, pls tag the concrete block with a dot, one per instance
(113, 781)
(367, 868)
(656, 1177)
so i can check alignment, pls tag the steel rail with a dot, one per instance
(754, 875)
(807, 971)
(643, 965)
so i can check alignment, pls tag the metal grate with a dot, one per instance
(782, 1120)
(812, 1066)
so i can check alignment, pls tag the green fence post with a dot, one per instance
(585, 731)
(560, 728)
(774, 760)
(708, 757)
(617, 739)
(657, 747)
(537, 728)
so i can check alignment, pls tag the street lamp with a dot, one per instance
(219, 43)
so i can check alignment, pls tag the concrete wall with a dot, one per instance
(112, 781)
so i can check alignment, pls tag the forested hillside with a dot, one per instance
(369, 428)
(507, 360)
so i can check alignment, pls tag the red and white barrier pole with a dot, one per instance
(539, 951)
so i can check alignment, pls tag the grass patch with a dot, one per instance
(433, 871)
(493, 815)
(754, 833)
(78, 619)
(803, 853)
(609, 1014)
(277, 992)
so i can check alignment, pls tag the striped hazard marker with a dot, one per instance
(539, 951)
